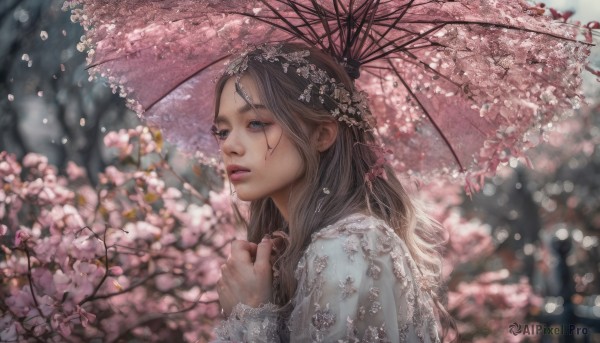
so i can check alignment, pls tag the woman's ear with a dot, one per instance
(325, 134)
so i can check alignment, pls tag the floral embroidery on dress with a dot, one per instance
(347, 287)
(374, 271)
(373, 294)
(351, 247)
(356, 283)
(375, 307)
(402, 332)
(320, 263)
(398, 266)
(323, 319)
(376, 335)
(361, 313)
(385, 242)
(374, 299)
(252, 324)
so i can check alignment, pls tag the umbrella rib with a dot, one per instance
(430, 69)
(284, 28)
(379, 22)
(187, 79)
(293, 4)
(380, 48)
(369, 25)
(437, 128)
(191, 76)
(337, 3)
(306, 8)
(419, 62)
(282, 18)
(427, 67)
(93, 65)
(365, 9)
(380, 39)
(325, 25)
(382, 87)
(349, 22)
(390, 27)
(398, 48)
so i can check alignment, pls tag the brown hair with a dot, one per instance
(341, 169)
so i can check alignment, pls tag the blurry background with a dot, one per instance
(524, 250)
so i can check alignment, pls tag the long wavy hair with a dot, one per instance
(341, 169)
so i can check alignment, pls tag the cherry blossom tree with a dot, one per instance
(136, 257)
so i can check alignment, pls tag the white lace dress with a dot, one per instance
(355, 284)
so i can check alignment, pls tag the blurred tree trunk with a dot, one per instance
(47, 104)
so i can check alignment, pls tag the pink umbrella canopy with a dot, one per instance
(457, 87)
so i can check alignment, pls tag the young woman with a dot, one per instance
(337, 251)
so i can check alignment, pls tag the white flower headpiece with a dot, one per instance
(351, 107)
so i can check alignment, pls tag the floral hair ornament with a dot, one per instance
(351, 107)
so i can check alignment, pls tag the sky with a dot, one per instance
(585, 10)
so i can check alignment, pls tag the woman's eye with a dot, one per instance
(255, 124)
(220, 134)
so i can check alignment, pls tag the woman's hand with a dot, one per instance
(247, 276)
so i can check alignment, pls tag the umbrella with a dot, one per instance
(457, 87)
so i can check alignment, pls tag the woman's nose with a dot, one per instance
(232, 145)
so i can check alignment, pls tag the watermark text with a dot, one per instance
(539, 329)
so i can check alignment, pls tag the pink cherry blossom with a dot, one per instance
(21, 237)
(116, 270)
(74, 171)
(8, 328)
(32, 160)
(120, 141)
(114, 176)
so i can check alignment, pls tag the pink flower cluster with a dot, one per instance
(485, 307)
(135, 257)
(482, 302)
(468, 240)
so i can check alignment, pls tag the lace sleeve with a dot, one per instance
(249, 324)
(356, 285)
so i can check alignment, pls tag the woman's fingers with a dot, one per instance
(247, 256)
(240, 251)
(262, 264)
(224, 271)
(252, 251)
(247, 275)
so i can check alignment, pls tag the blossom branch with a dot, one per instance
(128, 289)
(91, 296)
(29, 278)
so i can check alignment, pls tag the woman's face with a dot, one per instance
(250, 138)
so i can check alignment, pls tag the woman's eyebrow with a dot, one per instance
(247, 107)
(221, 120)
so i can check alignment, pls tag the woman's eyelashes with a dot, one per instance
(257, 125)
(219, 134)
(253, 126)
